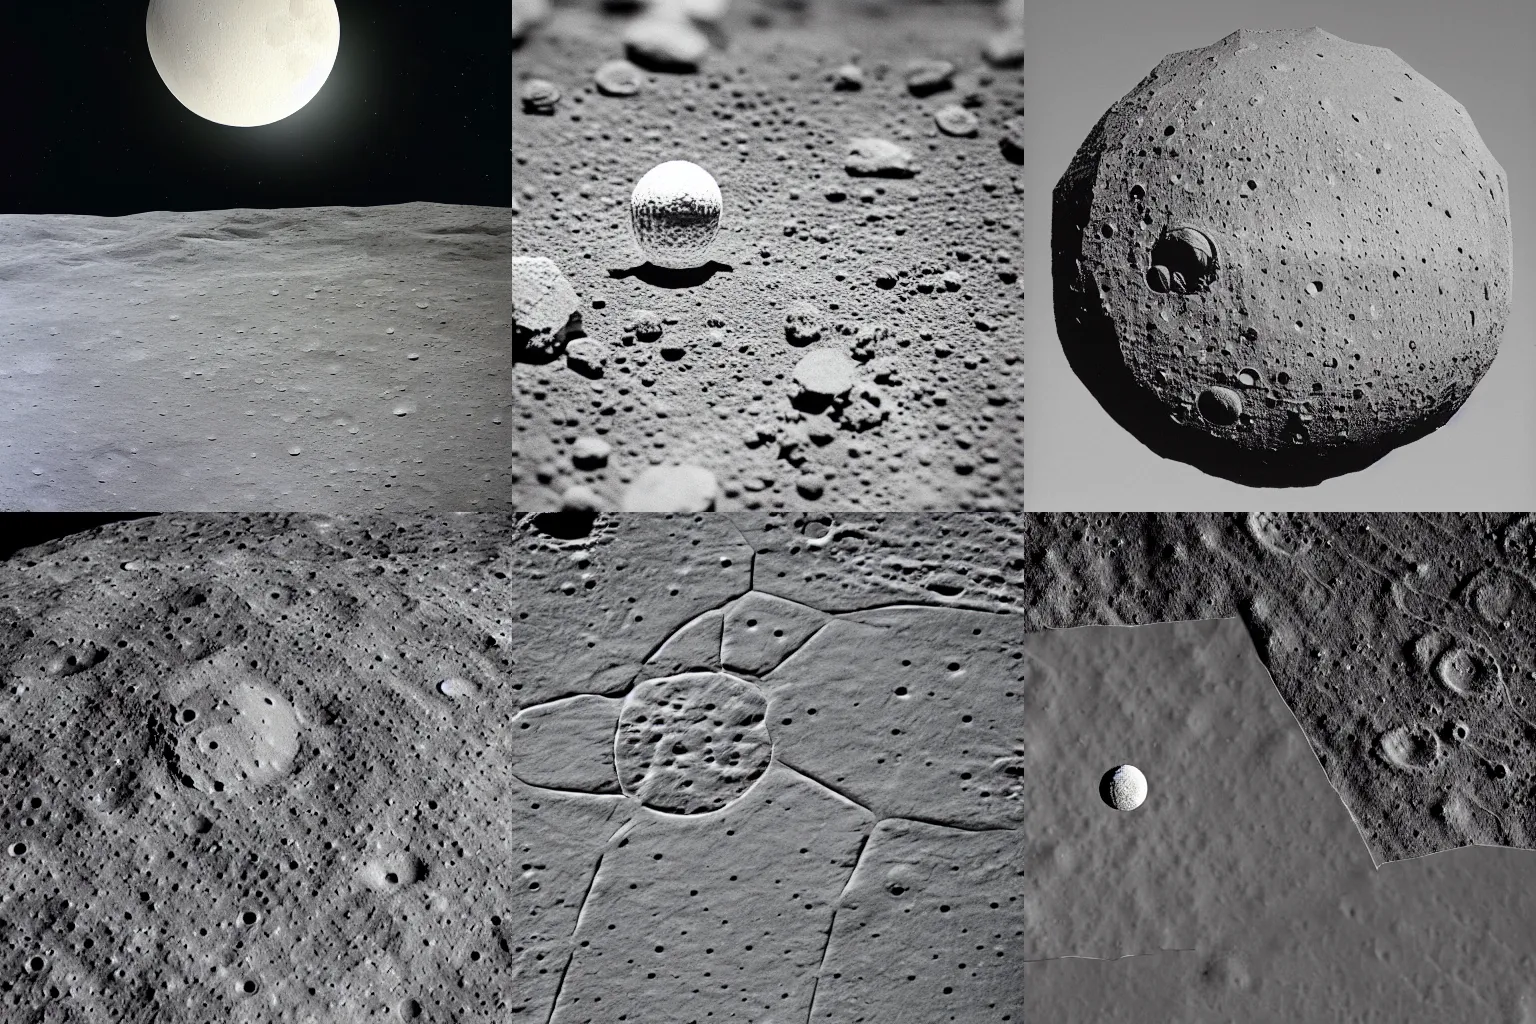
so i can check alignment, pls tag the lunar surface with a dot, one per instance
(310, 358)
(773, 768)
(1281, 256)
(870, 218)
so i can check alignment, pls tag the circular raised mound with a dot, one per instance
(1282, 256)
(692, 743)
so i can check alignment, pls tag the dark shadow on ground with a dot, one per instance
(664, 277)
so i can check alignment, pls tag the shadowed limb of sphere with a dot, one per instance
(664, 277)
(1089, 342)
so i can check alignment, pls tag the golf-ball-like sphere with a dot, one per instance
(675, 213)
(1124, 788)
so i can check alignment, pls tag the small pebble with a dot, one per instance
(1012, 139)
(879, 158)
(665, 41)
(925, 77)
(540, 96)
(580, 498)
(810, 486)
(802, 323)
(1005, 48)
(885, 277)
(643, 324)
(956, 120)
(684, 488)
(587, 357)
(528, 15)
(590, 453)
(952, 280)
(545, 309)
(826, 372)
(618, 78)
(848, 78)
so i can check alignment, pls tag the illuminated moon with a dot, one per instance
(243, 62)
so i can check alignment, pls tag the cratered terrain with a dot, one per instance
(351, 357)
(869, 161)
(773, 768)
(1281, 256)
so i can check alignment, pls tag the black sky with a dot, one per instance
(417, 107)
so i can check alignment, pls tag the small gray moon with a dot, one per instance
(243, 62)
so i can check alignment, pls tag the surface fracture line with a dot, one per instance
(889, 817)
(560, 986)
(719, 607)
(1106, 959)
(556, 789)
(591, 884)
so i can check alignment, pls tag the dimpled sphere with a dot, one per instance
(675, 213)
(1281, 256)
(1125, 788)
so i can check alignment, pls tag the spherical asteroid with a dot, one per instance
(1282, 256)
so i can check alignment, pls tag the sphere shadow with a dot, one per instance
(666, 277)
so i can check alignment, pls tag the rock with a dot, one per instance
(810, 486)
(675, 214)
(643, 324)
(590, 453)
(539, 96)
(1357, 317)
(1005, 48)
(879, 158)
(672, 488)
(884, 277)
(1011, 141)
(707, 11)
(544, 309)
(848, 78)
(665, 41)
(580, 499)
(587, 357)
(925, 77)
(867, 407)
(802, 323)
(618, 78)
(954, 119)
(528, 15)
(825, 372)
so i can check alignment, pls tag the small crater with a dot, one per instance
(1412, 748)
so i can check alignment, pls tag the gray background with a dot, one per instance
(1084, 56)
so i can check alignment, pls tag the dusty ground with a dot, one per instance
(326, 357)
(762, 116)
(769, 768)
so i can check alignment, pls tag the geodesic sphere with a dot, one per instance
(1281, 256)
(675, 214)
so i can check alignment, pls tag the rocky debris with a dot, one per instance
(580, 499)
(665, 40)
(587, 357)
(590, 453)
(1005, 48)
(867, 407)
(528, 15)
(802, 323)
(643, 324)
(1011, 141)
(954, 119)
(825, 372)
(539, 96)
(848, 78)
(672, 488)
(1341, 362)
(879, 158)
(544, 309)
(618, 78)
(926, 77)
